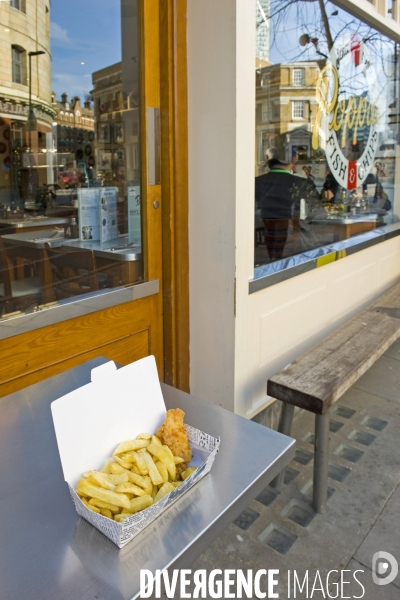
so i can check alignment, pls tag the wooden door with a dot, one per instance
(135, 329)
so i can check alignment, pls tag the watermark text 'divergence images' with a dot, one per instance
(262, 583)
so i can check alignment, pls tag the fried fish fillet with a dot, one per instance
(173, 434)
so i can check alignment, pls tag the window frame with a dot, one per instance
(295, 104)
(265, 112)
(296, 71)
(18, 5)
(20, 64)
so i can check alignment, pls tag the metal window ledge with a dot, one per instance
(64, 310)
(281, 270)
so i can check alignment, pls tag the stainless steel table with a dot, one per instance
(27, 247)
(37, 239)
(118, 249)
(39, 221)
(48, 552)
(115, 258)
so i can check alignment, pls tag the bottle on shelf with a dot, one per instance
(343, 205)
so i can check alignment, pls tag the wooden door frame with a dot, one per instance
(131, 330)
(174, 176)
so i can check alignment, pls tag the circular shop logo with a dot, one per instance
(349, 111)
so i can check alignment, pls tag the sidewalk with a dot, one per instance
(279, 530)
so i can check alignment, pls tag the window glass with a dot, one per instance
(18, 4)
(327, 135)
(298, 77)
(70, 196)
(18, 56)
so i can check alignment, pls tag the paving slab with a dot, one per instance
(382, 379)
(384, 535)
(287, 534)
(372, 591)
(394, 351)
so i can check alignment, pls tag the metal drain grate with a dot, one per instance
(374, 423)
(278, 538)
(299, 513)
(349, 453)
(303, 456)
(246, 518)
(267, 496)
(344, 412)
(309, 438)
(362, 437)
(337, 472)
(290, 474)
(334, 426)
(307, 489)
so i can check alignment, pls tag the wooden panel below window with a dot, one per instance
(123, 333)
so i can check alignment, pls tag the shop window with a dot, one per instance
(298, 109)
(298, 77)
(18, 58)
(324, 181)
(50, 166)
(18, 5)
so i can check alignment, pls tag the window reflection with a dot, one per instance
(326, 128)
(69, 150)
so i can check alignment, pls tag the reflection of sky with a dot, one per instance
(83, 31)
(304, 17)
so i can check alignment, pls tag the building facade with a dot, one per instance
(254, 327)
(217, 324)
(74, 136)
(25, 65)
(263, 31)
(286, 107)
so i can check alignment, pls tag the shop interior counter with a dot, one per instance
(47, 551)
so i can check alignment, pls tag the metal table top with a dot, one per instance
(39, 221)
(37, 239)
(117, 249)
(47, 551)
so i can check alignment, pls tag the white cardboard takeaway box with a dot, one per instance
(118, 405)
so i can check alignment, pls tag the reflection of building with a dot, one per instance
(286, 108)
(107, 97)
(25, 29)
(263, 33)
(74, 134)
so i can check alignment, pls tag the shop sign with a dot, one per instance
(348, 111)
(20, 111)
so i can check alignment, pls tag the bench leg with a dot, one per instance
(321, 445)
(285, 427)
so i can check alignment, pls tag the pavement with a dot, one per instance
(279, 529)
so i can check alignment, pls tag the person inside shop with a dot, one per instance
(380, 200)
(273, 198)
(270, 154)
(331, 189)
(278, 195)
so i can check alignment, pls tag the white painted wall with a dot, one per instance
(212, 193)
(231, 357)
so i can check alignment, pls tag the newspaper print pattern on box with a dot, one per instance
(122, 533)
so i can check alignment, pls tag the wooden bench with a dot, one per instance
(317, 379)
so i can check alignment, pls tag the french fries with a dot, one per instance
(139, 473)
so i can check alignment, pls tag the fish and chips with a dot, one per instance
(141, 472)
